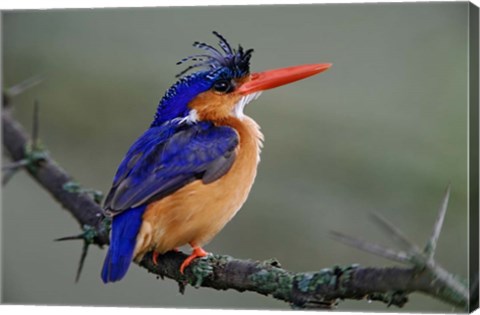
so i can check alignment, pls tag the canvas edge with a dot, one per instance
(473, 96)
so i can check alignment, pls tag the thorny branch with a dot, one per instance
(320, 289)
(51, 177)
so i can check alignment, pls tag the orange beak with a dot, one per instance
(270, 79)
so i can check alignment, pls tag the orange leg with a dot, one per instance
(196, 253)
(155, 257)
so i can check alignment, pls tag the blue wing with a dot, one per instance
(166, 158)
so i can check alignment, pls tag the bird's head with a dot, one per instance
(224, 85)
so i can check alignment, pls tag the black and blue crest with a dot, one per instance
(227, 63)
(234, 61)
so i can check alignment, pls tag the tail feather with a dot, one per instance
(125, 227)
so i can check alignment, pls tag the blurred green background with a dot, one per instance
(384, 130)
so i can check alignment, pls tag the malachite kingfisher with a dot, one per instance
(188, 174)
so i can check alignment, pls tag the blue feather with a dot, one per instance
(125, 227)
(166, 158)
(174, 103)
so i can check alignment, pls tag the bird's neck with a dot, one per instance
(250, 136)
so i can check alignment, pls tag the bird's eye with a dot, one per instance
(223, 86)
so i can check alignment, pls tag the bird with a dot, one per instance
(190, 172)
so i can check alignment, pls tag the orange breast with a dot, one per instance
(197, 212)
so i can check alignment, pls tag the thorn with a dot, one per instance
(34, 153)
(395, 233)
(371, 247)
(70, 238)
(24, 85)
(88, 236)
(35, 125)
(83, 256)
(6, 176)
(10, 169)
(437, 228)
(15, 165)
(181, 287)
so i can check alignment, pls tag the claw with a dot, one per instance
(155, 257)
(197, 252)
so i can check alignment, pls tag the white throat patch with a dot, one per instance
(191, 118)
(239, 107)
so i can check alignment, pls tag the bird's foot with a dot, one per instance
(197, 252)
